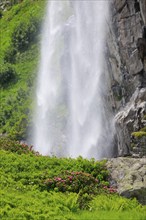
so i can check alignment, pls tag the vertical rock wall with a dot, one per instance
(126, 56)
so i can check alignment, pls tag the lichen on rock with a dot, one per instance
(129, 176)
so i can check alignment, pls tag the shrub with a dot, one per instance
(24, 34)
(69, 181)
(18, 131)
(15, 146)
(10, 54)
(73, 182)
(7, 75)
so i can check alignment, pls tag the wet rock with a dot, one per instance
(143, 10)
(127, 70)
(131, 119)
(141, 46)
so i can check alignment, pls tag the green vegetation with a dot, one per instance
(138, 141)
(35, 186)
(19, 54)
(15, 147)
(139, 134)
(143, 129)
(7, 75)
(31, 188)
(33, 204)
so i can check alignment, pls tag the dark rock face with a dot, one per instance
(129, 176)
(126, 53)
(141, 46)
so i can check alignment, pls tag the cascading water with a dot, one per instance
(71, 116)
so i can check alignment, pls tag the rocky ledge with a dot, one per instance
(128, 175)
(131, 126)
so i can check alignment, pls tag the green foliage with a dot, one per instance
(22, 196)
(111, 215)
(77, 182)
(143, 129)
(1, 13)
(139, 134)
(19, 54)
(24, 34)
(10, 54)
(7, 75)
(14, 146)
(43, 168)
(73, 182)
(15, 122)
(114, 202)
(6, 5)
(16, 204)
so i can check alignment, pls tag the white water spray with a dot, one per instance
(71, 117)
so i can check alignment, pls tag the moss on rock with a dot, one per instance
(139, 134)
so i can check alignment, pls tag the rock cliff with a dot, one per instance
(126, 54)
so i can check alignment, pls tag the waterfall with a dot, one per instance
(71, 114)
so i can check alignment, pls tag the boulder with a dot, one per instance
(128, 175)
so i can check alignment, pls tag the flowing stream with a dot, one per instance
(71, 115)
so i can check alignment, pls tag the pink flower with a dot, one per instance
(70, 177)
(58, 179)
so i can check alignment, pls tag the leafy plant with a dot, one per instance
(7, 75)
(113, 202)
(15, 146)
(23, 198)
(73, 182)
(10, 54)
(24, 34)
(22, 64)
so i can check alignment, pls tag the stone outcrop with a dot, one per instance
(126, 53)
(6, 4)
(128, 175)
(132, 118)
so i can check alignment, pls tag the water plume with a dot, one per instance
(71, 115)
